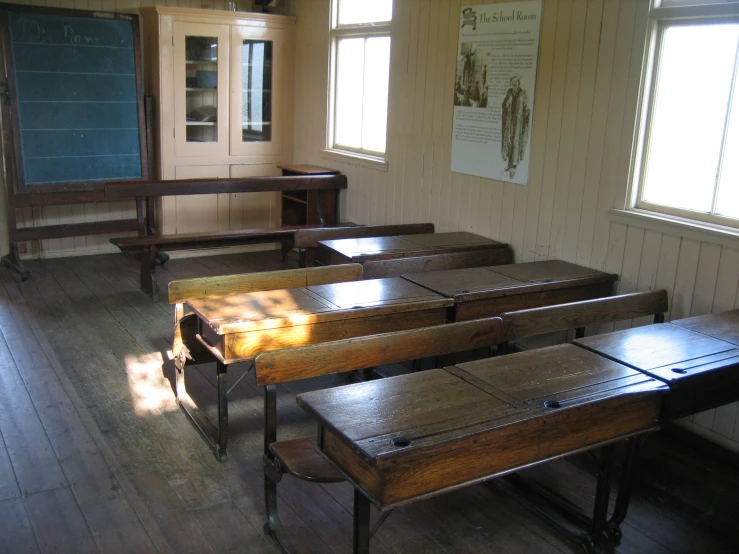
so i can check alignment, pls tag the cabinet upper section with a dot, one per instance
(223, 81)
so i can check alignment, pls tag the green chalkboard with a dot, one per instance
(75, 89)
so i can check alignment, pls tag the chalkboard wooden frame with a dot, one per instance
(21, 185)
(19, 195)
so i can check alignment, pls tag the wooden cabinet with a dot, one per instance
(222, 83)
(308, 207)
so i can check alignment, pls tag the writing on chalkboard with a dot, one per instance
(32, 31)
(76, 99)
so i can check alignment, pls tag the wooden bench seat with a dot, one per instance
(151, 244)
(300, 459)
(213, 239)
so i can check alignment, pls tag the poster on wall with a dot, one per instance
(494, 90)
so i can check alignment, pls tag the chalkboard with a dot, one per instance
(77, 100)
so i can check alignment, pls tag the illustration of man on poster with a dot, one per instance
(515, 125)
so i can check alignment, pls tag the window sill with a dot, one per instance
(687, 228)
(352, 158)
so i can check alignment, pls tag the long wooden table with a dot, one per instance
(415, 436)
(489, 291)
(237, 327)
(361, 250)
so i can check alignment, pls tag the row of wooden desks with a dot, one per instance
(237, 327)
(410, 437)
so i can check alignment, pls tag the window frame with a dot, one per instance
(661, 18)
(336, 33)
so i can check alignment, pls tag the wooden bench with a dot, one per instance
(577, 315)
(306, 241)
(186, 348)
(152, 245)
(298, 457)
(375, 269)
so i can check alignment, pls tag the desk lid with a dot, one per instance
(460, 239)
(723, 326)
(369, 246)
(480, 283)
(550, 271)
(433, 408)
(668, 352)
(252, 311)
(454, 283)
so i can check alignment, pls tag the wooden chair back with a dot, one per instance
(306, 240)
(292, 364)
(578, 315)
(376, 269)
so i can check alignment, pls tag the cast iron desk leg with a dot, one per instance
(361, 523)
(222, 440)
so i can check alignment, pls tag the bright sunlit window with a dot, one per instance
(360, 70)
(688, 164)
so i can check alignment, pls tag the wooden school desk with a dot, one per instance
(343, 251)
(702, 371)
(489, 291)
(411, 437)
(237, 327)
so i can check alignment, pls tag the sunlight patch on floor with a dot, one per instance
(151, 391)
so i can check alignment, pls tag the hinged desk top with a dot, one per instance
(378, 248)
(702, 371)
(724, 326)
(412, 436)
(501, 280)
(253, 311)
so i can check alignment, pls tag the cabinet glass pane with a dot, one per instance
(256, 111)
(201, 61)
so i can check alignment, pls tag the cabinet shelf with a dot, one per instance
(200, 123)
(201, 62)
(200, 89)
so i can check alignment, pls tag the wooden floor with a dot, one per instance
(96, 456)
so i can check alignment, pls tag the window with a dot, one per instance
(360, 69)
(687, 161)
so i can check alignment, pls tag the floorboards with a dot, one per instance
(95, 455)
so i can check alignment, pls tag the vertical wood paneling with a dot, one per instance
(567, 133)
(540, 121)
(553, 141)
(582, 131)
(606, 47)
(614, 125)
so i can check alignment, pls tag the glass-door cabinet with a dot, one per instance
(256, 82)
(201, 65)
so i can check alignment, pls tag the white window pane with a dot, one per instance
(376, 75)
(689, 111)
(349, 86)
(727, 203)
(364, 11)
